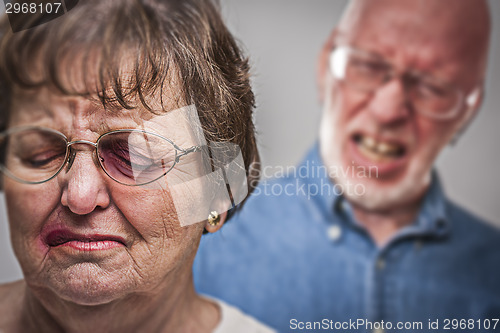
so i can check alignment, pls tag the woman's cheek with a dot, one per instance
(153, 214)
(148, 210)
(28, 208)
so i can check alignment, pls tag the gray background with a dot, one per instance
(283, 39)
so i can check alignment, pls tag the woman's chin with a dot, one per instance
(88, 284)
(85, 298)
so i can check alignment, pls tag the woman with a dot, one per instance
(111, 116)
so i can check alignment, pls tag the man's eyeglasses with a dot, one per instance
(34, 155)
(366, 72)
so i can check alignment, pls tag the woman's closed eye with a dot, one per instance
(132, 162)
(44, 159)
(132, 159)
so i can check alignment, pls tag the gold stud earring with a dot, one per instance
(213, 218)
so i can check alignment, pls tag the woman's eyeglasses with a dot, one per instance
(34, 155)
(367, 72)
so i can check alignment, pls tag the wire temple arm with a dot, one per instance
(192, 149)
(184, 152)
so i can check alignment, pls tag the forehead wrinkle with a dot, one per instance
(91, 114)
(118, 117)
(32, 106)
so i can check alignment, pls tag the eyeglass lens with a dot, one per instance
(367, 72)
(129, 157)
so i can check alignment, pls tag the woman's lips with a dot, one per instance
(60, 238)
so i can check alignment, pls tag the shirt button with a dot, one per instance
(344, 206)
(441, 226)
(334, 232)
(380, 264)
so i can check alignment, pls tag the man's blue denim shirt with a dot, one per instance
(292, 256)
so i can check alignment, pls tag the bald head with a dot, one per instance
(462, 26)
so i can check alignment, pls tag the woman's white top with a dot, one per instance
(233, 320)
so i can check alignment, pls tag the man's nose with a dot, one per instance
(389, 103)
(85, 188)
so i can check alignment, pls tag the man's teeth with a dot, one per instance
(369, 142)
(375, 149)
(386, 148)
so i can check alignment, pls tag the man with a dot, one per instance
(368, 242)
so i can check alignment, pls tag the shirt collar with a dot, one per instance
(431, 220)
(320, 189)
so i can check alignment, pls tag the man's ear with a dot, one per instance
(211, 228)
(324, 65)
(474, 102)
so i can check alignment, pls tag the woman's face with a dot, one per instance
(119, 239)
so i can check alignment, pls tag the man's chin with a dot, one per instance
(380, 195)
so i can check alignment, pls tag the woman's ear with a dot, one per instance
(324, 65)
(215, 221)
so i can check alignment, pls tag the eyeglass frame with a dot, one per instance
(393, 72)
(69, 158)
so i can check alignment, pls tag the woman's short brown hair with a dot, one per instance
(169, 38)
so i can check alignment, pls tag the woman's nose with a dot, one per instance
(85, 188)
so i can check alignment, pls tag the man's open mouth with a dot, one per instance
(378, 150)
